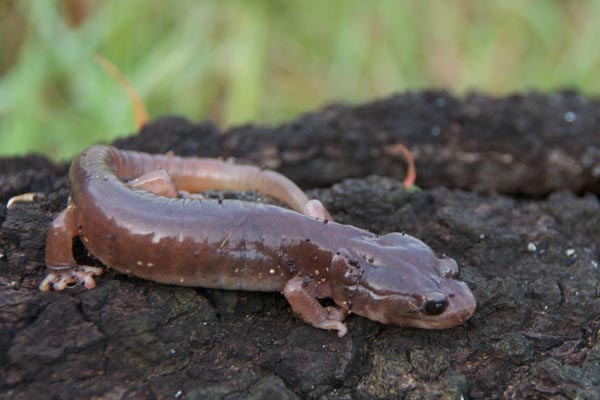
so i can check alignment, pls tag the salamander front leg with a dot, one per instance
(305, 304)
(315, 208)
(63, 270)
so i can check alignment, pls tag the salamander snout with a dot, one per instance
(452, 305)
(448, 304)
(399, 280)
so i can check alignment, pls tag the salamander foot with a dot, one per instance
(334, 319)
(63, 278)
(303, 301)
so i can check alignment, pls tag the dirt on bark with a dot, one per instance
(509, 190)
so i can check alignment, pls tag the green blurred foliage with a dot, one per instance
(267, 61)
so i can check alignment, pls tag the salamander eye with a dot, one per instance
(435, 303)
(447, 267)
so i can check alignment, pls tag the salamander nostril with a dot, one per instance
(435, 303)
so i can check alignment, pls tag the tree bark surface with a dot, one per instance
(508, 189)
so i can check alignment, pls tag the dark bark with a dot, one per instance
(531, 260)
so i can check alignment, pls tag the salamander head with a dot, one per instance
(397, 279)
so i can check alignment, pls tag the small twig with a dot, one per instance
(139, 108)
(25, 197)
(411, 173)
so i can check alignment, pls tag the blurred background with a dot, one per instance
(266, 61)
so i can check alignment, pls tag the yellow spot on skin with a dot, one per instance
(150, 264)
(271, 271)
(180, 280)
(85, 239)
(317, 272)
(140, 263)
(236, 270)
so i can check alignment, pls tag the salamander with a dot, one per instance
(137, 213)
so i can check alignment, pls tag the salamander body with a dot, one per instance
(133, 212)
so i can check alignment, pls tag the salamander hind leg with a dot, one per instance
(159, 182)
(305, 304)
(63, 270)
(60, 279)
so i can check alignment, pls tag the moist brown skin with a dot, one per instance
(246, 246)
